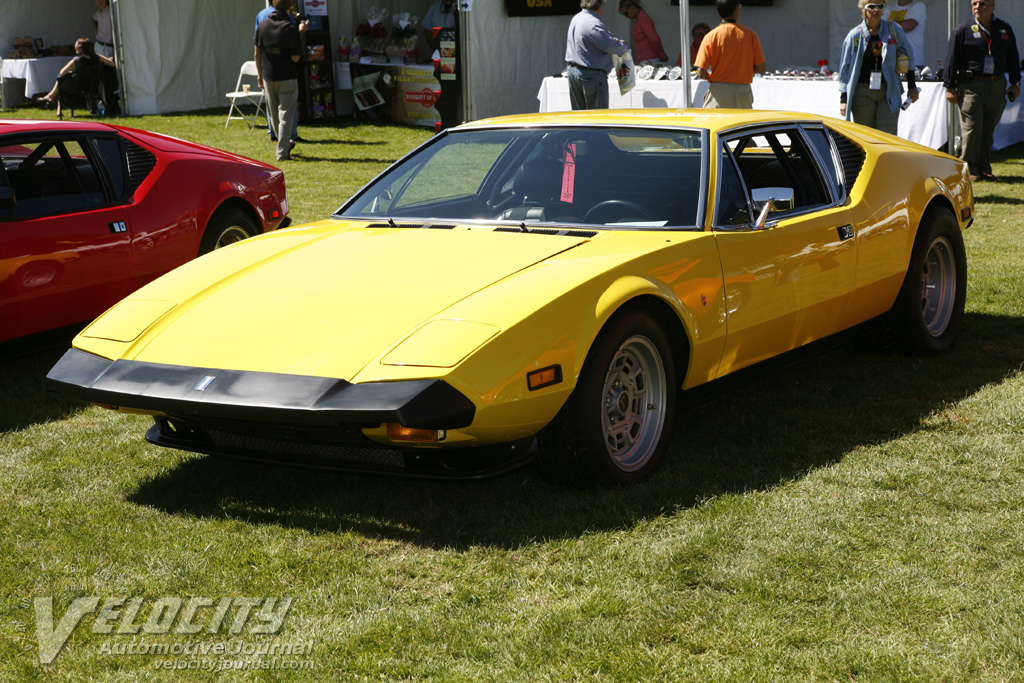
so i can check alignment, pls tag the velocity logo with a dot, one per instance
(132, 616)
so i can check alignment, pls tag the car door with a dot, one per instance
(789, 281)
(65, 245)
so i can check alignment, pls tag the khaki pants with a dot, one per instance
(870, 108)
(729, 96)
(981, 106)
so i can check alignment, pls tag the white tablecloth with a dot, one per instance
(924, 122)
(39, 74)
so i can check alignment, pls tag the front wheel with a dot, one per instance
(227, 226)
(615, 427)
(930, 305)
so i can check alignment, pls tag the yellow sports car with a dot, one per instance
(539, 285)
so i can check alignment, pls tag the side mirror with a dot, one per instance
(771, 200)
(7, 198)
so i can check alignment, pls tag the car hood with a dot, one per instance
(317, 300)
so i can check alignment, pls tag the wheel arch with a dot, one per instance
(653, 302)
(229, 204)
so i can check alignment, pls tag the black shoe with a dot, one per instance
(299, 139)
(291, 146)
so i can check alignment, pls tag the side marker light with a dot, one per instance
(545, 377)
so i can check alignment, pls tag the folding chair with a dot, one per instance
(247, 75)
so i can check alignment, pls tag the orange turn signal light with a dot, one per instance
(965, 213)
(545, 377)
(397, 432)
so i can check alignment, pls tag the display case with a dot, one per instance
(317, 81)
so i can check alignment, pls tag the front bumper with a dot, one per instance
(295, 400)
(287, 419)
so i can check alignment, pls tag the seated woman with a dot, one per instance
(85, 56)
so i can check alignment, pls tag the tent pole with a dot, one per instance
(115, 19)
(465, 76)
(952, 111)
(684, 41)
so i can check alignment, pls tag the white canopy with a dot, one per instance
(184, 55)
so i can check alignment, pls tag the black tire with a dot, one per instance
(616, 425)
(930, 306)
(227, 226)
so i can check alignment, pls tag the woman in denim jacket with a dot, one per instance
(870, 90)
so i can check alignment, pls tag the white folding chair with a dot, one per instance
(247, 75)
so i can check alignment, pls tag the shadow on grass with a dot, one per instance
(981, 198)
(23, 367)
(751, 433)
(299, 156)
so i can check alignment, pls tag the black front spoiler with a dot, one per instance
(295, 400)
(291, 420)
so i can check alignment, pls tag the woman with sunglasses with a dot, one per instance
(870, 89)
(646, 42)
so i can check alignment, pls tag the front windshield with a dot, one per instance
(623, 177)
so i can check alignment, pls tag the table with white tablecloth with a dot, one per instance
(924, 122)
(38, 74)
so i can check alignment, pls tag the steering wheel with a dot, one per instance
(623, 206)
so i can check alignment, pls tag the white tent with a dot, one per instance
(183, 55)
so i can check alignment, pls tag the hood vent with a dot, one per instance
(549, 231)
(851, 156)
(435, 226)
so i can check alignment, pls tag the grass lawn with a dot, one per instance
(847, 518)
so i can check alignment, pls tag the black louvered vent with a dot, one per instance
(549, 231)
(140, 164)
(851, 155)
(442, 226)
(395, 225)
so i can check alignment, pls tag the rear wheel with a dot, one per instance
(227, 226)
(616, 425)
(930, 305)
(926, 317)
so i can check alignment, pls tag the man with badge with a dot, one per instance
(982, 52)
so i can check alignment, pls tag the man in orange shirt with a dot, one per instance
(728, 58)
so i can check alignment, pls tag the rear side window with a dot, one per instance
(110, 152)
(52, 177)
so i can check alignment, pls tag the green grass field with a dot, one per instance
(847, 518)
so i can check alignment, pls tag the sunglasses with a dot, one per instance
(876, 6)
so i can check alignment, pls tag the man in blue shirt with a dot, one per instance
(588, 54)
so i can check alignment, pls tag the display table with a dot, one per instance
(405, 93)
(38, 74)
(924, 122)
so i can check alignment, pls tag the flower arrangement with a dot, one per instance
(402, 43)
(372, 33)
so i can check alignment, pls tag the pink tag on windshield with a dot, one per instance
(569, 173)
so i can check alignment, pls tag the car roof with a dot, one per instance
(710, 119)
(27, 125)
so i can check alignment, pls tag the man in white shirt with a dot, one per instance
(911, 15)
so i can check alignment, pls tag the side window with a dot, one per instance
(780, 159)
(52, 177)
(110, 152)
(731, 207)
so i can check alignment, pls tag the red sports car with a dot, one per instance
(90, 212)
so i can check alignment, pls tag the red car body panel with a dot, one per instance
(62, 264)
